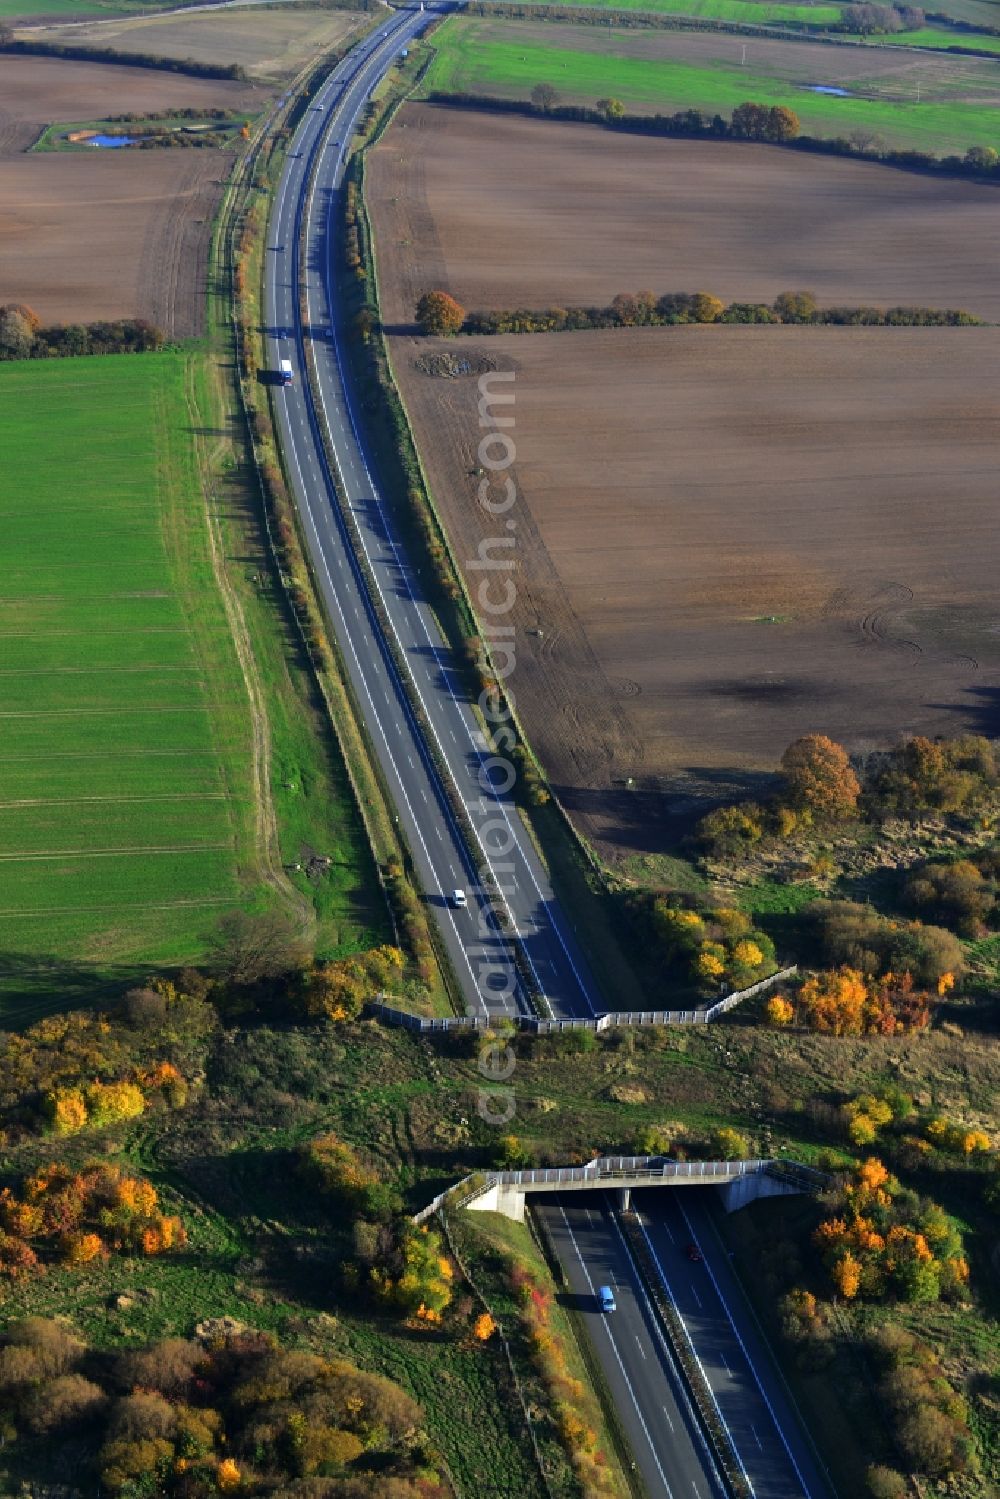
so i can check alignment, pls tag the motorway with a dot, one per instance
(750, 1399)
(666, 1441)
(476, 938)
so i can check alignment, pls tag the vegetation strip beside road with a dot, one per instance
(572, 867)
(325, 701)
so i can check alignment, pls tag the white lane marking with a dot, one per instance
(606, 1324)
(725, 1365)
(756, 1438)
(697, 1298)
(666, 1414)
(750, 1363)
(388, 750)
(435, 651)
(708, 1383)
(307, 211)
(639, 1345)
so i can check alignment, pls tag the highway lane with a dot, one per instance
(666, 1441)
(479, 952)
(774, 1451)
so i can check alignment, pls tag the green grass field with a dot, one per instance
(125, 797)
(819, 17)
(936, 37)
(744, 12)
(469, 59)
(71, 10)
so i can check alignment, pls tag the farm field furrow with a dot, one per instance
(664, 71)
(124, 722)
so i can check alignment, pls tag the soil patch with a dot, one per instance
(107, 234)
(727, 537)
(111, 235)
(508, 212)
(268, 44)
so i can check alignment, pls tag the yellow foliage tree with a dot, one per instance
(708, 968)
(483, 1328)
(975, 1142)
(66, 1110)
(847, 1276)
(779, 1011)
(113, 1103)
(228, 1476)
(747, 954)
(81, 1249)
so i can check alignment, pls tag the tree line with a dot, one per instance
(78, 53)
(22, 336)
(439, 314)
(697, 124)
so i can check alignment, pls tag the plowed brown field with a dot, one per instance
(506, 212)
(729, 537)
(267, 43)
(106, 234)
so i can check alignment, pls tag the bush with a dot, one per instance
(861, 938)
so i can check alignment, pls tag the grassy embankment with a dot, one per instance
(321, 677)
(479, 57)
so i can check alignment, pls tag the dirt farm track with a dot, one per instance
(729, 537)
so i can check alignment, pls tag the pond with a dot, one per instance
(828, 88)
(110, 142)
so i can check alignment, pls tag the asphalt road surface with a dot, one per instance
(667, 1444)
(475, 938)
(750, 1397)
(666, 1441)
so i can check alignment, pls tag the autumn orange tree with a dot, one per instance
(77, 1216)
(438, 313)
(818, 778)
(879, 1240)
(844, 1002)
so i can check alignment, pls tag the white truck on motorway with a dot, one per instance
(285, 371)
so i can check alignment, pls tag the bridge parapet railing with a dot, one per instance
(628, 1169)
(393, 1014)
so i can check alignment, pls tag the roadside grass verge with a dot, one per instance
(312, 793)
(480, 57)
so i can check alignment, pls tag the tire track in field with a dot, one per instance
(266, 835)
(41, 854)
(153, 796)
(18, 912)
